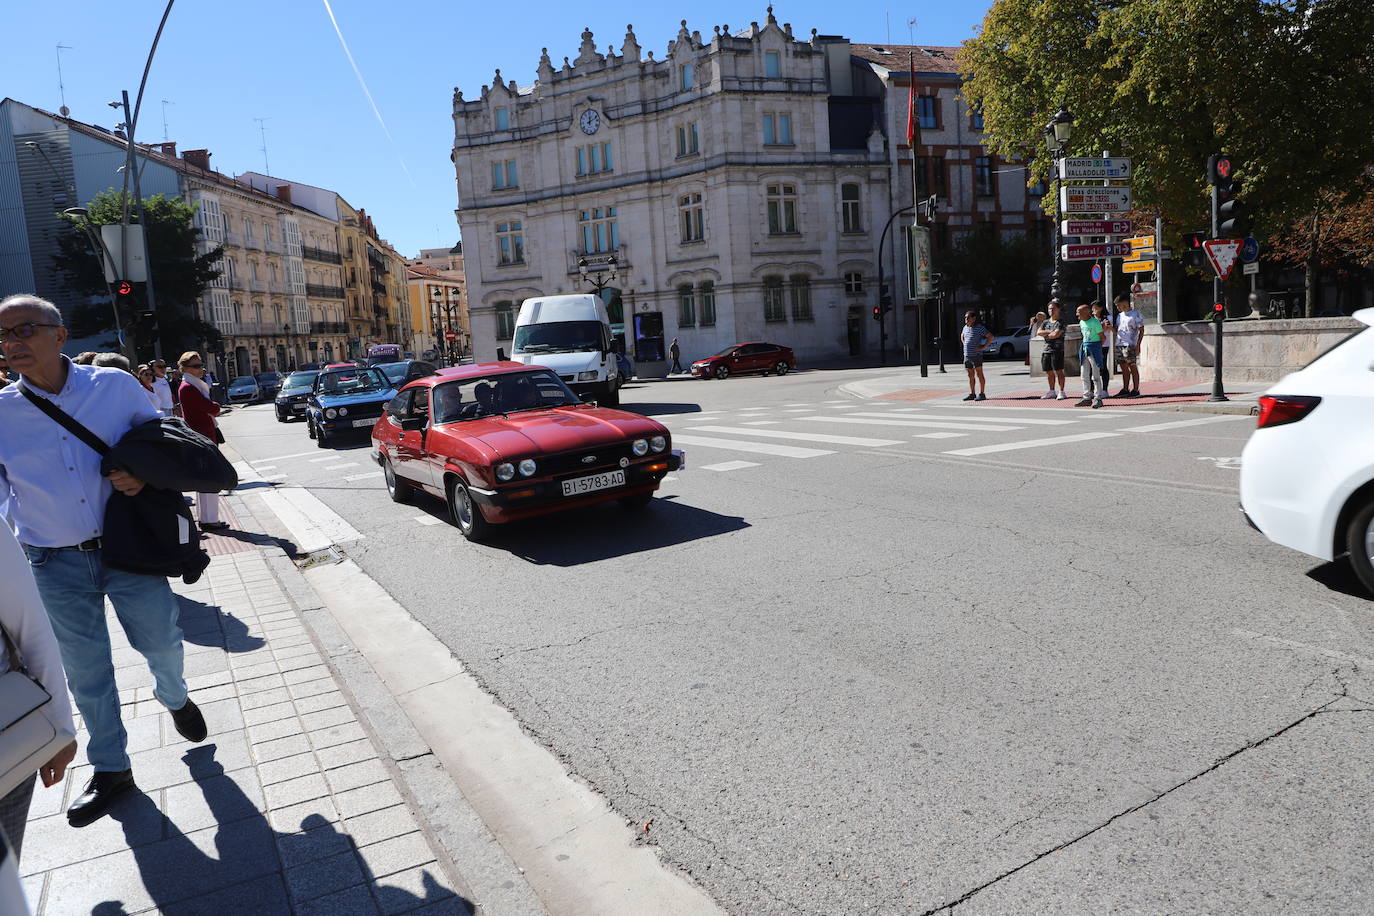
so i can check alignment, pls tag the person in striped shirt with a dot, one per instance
(976, 340)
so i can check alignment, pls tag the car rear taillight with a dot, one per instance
(1278, 409)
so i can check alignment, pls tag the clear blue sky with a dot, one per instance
(222, 65)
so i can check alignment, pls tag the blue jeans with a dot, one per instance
(74, 585)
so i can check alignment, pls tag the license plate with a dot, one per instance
(298, 407)
(364, 422)
(579, 485)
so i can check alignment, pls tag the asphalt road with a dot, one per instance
(892, 674)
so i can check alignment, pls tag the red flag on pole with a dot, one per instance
(911, 104)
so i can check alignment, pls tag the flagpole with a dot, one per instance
(913, 130)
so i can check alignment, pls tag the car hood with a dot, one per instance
(295, 391)
(243, 386)
(362, 397)
(706, 359)
(562, 363)
(546, 432)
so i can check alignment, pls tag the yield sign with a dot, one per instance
(1223, 254)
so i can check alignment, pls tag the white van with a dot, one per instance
(572, 336)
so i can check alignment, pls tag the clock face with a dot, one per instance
(589, 121)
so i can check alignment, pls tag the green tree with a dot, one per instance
(1000, 272)
(1282, 87)
(180, 275)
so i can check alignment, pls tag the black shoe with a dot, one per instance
(101, 792)
(189, 722)
(213, 526)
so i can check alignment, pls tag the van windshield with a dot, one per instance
(558, 337)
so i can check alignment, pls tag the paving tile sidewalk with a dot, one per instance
(288, 807)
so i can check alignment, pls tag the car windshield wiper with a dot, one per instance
(535, 348)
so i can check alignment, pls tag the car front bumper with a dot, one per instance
(517, 499)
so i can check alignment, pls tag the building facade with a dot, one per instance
(737, 189)
(438, 310)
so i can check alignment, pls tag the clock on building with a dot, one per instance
(590, 121)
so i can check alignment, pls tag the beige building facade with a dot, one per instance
(438, 310)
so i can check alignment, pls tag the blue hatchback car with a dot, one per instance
(342, 400)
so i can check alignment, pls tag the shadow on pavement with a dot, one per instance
(207, 625)
(1339, 576)
(246, 873)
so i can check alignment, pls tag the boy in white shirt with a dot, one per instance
(1130, 331)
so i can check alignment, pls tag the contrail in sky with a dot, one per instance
(362, 82)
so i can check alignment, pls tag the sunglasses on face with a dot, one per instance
(25, 330)
(194, 366)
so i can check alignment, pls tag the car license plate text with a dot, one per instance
(363, 422)
(298, 407)
(579, 485)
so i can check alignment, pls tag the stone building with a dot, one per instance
(438, 311)
(736, 189)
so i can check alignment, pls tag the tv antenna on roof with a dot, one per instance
(266, 169)
(911, 31)
(61, 89)
(165, 103)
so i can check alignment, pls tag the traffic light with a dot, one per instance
(1229, 212)
(124, 290)
(1193, 254)
(1218, 312)
(877, 313)
(936, 280)
(146, 327)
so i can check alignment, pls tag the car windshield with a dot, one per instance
(395, 371)
(497, 395)
(558, 337)
(244, 380)
(300, 380)
(726, 352)
(351, 381)
(269, 377)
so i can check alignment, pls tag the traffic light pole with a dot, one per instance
(882, 286)
(1218, 314)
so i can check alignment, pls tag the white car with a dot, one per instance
(1011, 343)
(1307, 473)
(244, 388)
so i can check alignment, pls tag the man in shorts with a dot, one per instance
(1130, 331)
(976, 340)
(1051, 331)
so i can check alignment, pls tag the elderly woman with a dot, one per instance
(145, 379)
(199, 411)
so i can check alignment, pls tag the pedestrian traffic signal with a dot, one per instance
(877, 313)
(1228, 212)
(124, 289)
(1218, 311)
(1193, 254)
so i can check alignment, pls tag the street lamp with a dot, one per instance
(599, 279)
(1058, 132)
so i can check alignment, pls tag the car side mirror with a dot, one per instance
(412, 424)
(500, 354)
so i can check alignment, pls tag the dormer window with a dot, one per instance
(772, 63)
(688, 76)
(502, 118)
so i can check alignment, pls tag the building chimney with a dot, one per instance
(200, 158)
(284, 192)
(168, 149)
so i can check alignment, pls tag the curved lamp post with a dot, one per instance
(1058, 132)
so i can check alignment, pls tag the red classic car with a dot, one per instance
(746, 357)
(505, 441)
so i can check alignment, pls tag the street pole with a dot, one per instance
(882, 287)
(1218, 316)
(915, 142)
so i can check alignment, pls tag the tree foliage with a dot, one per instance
(999, 272)
(1282, 87)
(180, 275)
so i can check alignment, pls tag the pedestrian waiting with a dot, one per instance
(1051, 330)
(1130, 327)
(145, 381)
(976, 340)
(1090, 358)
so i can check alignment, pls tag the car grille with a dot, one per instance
(364, 411)
(608, 455)
(567, 378)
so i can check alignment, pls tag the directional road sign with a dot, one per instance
(1092, 252)
(1094, 199)
(1136, 267)
(1142, 243)
(1073, 167)
(1223, 253)
(1250, 250)
(1077, 227)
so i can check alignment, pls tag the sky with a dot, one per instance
(220, 67)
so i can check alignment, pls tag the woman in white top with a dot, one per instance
(146, 377)
(26, 622)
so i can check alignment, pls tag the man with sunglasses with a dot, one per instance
(57, 499)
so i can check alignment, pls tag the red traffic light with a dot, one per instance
(878, 312)
(1223, 168)
(124, 288)
(1218, 307)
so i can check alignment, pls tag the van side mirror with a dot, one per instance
(500, 354)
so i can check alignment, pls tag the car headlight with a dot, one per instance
(658, 443)
(587, 376)
(505, 471)
(330, 413)
(527, 467)
(640, 448)
(343, 411)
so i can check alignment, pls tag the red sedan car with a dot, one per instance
(746, 357)
(505, 441)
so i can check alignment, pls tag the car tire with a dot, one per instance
(1007, 351)
(780, 367)
(722, 372)
(310, 427)
(465, 513)
(280, 418)
(612, 396)
(321, 438)
(396, 488)
(637, 501)
(1359, 539)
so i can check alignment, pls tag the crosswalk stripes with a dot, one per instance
(730, 466)
(1030, 443)
(1179, 424)
(918, 424)
(759, 448)
(802, 437)
(921, 415)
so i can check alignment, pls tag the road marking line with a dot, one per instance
(1073, 398)
(924, 424)
(313, 525)
(1030, 443)
(428, 520)
(939, 435)
(275, 477)
(801, 437)
(729, 466)
(761, 423)
(796, 405)
(799, 410)
(368, 476)
(284, 457)
(325, 458)
(670, 478)
(917, 415)
(264, 467)
(1179, 424)
(1304, 646)
(759, 448)
(340, 467)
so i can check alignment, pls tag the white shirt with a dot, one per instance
(56, 494)
(162, 390)
(1128, 327)
(22, 613)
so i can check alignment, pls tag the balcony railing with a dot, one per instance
(329, 327)
(252, 242)
(320, 254)
(378, 286)
(278, 288)
(251, 329)
(324, 292)
(274, 246)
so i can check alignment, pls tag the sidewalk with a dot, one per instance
(291, 805)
